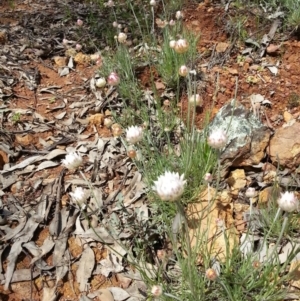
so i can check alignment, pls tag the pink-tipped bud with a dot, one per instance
(78, 47)
(208, 177)
(156, 290)
(113, 79)
(79, 22)
(172, 23)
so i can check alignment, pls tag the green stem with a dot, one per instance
(188, 245)
(285, 222)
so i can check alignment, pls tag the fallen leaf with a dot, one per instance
(85, 268)
(49, 293)
(222, 47)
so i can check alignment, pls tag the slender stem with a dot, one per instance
(285, 222)
(188, 243)
(172, 296)
(227, 290)
(271, 228)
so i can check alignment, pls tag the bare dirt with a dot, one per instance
(225, 73)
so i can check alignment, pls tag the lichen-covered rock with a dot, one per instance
(247, 136)
(285, 146)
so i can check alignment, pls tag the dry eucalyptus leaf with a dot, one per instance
(47, 164)
(85, 268)
(109, 265)
(49, 293)
(119, 294)
(104, 295)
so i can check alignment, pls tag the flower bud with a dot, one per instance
(110, 3)
(78, 47)
(208, 177)
(181, 46)
(152, 2)
(131, 153)
(116, 130)
(113, 79)
(196, 100)
(115, 24)
(250, 192)
(156, 290)
(79, 22)
(100, 82)
(217, 139)
(179, 15)
(122, 37)
(172, 23)
(183, 71)
(172, 44)
(211, 274)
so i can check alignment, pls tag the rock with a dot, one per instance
(247, 136)
(82, 59)
(287, 116)
(60, 61)
(222, 47)
(207, 219)
(237, 181)
(285, 146)
(269, 194)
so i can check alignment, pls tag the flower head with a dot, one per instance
(79, 196)
(169, 186)
(79, 22)
(196, 100)
(152, 2)
(122, 37)
(181, 46)
(183, 71)
(134, 134)
(113, 79)
(156, 290)
(217, 139)
(100, 82)
(72, 160)
(288, 202)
